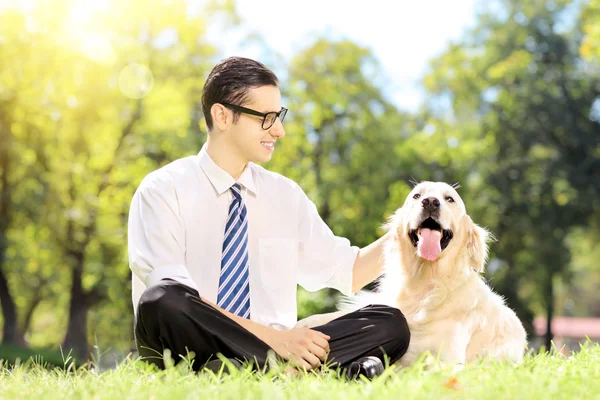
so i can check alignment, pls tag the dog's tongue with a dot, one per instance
(429, 244)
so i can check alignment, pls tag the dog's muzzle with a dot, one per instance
(430, 238)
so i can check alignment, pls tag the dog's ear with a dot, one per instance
(394, 222)
(477, 245)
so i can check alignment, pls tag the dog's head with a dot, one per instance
(434, 224)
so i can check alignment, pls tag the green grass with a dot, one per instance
(548, 376)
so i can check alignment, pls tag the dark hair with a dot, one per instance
(231, 80)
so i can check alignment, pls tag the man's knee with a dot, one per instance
(394, 323)
(394, 332)
(161, 299)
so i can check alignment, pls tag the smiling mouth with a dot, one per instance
(268, 145)
(430, 239)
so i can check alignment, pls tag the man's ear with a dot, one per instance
(219, 116)
(477, 245)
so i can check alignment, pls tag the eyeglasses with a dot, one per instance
(268, 118)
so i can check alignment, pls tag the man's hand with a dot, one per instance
(306, 347)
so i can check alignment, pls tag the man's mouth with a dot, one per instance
(268, 145)
(430, 239)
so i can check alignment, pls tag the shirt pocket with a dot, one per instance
(278, 281)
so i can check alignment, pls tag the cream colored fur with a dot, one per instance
(451, 311)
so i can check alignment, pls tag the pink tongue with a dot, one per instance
(429, 244)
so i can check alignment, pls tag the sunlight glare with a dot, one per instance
(86, 31)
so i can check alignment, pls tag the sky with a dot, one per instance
(403, 35)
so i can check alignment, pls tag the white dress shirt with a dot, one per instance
(177, 224)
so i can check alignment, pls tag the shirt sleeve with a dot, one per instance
(156, 236)
(325, 260)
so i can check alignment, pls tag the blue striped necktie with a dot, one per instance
(234, 283)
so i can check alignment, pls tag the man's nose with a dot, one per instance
(277, 129)
(430, 204)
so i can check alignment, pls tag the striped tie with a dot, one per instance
(234, 282)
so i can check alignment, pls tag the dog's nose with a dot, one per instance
(430, 204)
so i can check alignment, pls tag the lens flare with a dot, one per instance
(135, 81)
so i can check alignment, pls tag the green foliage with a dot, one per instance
(338, 141)
(590, 46)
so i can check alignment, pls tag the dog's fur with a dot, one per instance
(451, 312)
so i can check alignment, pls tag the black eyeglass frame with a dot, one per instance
(281, 114)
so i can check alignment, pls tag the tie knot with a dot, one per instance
(236, 189)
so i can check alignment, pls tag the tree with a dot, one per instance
(10, 333)
(100, 106)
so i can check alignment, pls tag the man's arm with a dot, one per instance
(156, 235)
(264, 333)
(368, 265)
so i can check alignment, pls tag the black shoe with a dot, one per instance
(216, 365)
(369, 367)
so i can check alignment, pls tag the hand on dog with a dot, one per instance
(305, 347)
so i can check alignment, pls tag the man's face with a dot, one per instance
(252, 142)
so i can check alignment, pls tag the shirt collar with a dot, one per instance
(220, 179)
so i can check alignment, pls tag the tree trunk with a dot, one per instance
(549, 312)
(324, 209)
(76, 337)
(28, 315)
(10, 333)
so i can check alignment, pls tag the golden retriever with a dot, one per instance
(433, 262)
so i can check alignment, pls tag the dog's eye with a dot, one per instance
(416, 196)
(449, 199)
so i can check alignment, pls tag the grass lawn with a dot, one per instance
(549, 376)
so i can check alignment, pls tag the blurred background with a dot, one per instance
(502, 96)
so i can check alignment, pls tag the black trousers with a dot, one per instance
(172, 316)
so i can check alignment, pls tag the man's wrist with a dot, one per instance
(268, 335)
(264, 333)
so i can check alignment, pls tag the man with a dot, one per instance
(218, 244)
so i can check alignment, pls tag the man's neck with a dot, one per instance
(225, 158)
